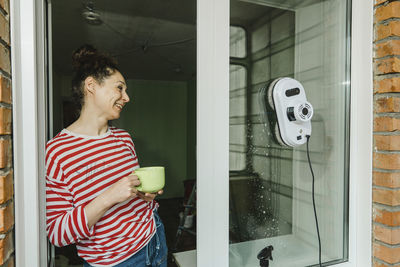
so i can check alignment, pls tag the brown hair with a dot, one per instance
(87, 61)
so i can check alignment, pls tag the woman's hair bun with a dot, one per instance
(87, 61)
(82, 55)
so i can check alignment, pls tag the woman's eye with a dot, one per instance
(120, 88)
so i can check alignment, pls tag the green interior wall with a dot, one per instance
(161, 118)
(157, 119)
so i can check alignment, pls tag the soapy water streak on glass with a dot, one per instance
(270, 185)
(256, 189)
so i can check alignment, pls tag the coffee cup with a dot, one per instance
(152, 179)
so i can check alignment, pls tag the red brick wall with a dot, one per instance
(386, 160)
(6, 173)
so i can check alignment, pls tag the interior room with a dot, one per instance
(154, 43)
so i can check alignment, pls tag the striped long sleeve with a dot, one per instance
(65, 222)
(78, 169)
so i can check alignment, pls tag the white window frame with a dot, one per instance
(28, 64)
(212, 132)
(29, 131)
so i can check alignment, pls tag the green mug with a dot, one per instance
(152, 179)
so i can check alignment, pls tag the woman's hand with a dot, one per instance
(123, 190)
(149, 196)
(120, 191)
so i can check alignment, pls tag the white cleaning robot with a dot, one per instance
(287, 98)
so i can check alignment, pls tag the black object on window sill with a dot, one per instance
(265, 255)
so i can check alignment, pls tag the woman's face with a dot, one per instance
(110, 96)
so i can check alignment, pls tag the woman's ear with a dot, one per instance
(90, 83)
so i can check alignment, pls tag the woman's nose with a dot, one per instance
(125, 97)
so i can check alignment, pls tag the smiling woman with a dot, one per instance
(91, 194)
(96, 72)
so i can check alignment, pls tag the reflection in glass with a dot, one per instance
(270, 185)
(237, 118)
(237, 42)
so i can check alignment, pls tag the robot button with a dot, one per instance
(299, 137)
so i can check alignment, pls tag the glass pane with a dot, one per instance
(271, 184)
(154, 43)
(237, 42)
(237, 118)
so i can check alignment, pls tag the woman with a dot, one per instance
(90, 183)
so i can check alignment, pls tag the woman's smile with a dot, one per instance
(119, 106)
(112, 94)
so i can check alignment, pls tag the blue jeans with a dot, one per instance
(154, 254)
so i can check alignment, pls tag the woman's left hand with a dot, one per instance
(148, 196)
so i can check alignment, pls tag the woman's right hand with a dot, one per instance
(123, 190)
(120, 191)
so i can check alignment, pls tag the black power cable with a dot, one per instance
(313, 200)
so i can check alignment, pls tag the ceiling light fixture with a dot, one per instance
(90, 15)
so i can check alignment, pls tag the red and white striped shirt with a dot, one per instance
(78, 169)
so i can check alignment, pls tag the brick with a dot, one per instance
(387, 65)
(378, 2)
(387, 254)
(5, 5)
(389, 218)
(5, 90)
(386, 124)
(387, 104)
(10, 262)
(386, 161)
(386, 196)
(5, 153)
(388, 11)
(5, 120)
(391, 47)
(389, 29)
(6, 247)
(391, 85)
(386, 179)
(5, 60)
(387, 142)
(387, 235)
(6, 218)
(4, 29)
(6, 187)
(379, 264)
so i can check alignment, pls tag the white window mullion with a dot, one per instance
(360, 212)
(212, 133)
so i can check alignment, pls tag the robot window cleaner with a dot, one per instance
(287, 98)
